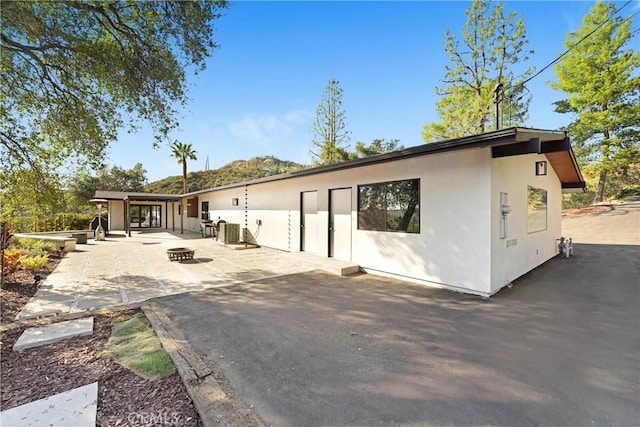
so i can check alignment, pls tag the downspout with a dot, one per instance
(173, 215)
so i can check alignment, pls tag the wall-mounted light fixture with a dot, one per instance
(234, 201)
(541, 168)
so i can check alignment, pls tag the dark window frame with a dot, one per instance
(140, 223)
(384, 217)
(204, 215)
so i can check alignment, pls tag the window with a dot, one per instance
(205, 211)
(146, 216)
(390, 206)
(536, 209)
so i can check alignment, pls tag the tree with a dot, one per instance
(481, 74)
(378, 146)
(330, 128)
(73, 72)
(600, 79)
(84, 185)
(183, 152)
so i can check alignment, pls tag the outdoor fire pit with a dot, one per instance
(180, 254)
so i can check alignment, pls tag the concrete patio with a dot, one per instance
(124, 270)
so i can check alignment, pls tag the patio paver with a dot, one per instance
(123, 270)
(73, 408)
(48, 334)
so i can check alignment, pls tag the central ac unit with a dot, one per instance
(229, 233)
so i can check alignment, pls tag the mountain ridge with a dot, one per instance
(231, 173)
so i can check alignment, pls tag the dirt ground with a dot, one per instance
(595, 209)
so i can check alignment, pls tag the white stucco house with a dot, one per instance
(470, 214)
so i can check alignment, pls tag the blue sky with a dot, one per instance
(259, 93)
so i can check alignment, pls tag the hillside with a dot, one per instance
(233, 172)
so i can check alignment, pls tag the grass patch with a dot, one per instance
(136, 346)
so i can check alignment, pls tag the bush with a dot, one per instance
(10, 262)
(33, 247)
(36, 262)
(628, 192)
(52, 222)
(578, 200)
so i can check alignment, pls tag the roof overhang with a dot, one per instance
(558, 152)
(137, 197)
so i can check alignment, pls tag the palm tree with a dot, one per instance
(183, 152)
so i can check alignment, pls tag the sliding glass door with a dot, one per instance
(146, 216)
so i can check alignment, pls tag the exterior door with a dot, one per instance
(309, 221)
(340, 224)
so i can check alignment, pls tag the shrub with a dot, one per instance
(10, 262)
(628, 192)
(33, 247)
(36, 262)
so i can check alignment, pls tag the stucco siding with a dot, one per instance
(452, 248)
(521, 251)
(116, 215)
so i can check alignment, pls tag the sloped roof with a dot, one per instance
(505, 142)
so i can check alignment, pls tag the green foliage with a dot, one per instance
(32, 223)
(28, 193)
(34, 247)
(378, 146)
(73, 72)
(231, 173)
(84, 184)
(330, 128)
(602, 86)
(33, 262)
(136, 346)
(492, 45)
(183, 152)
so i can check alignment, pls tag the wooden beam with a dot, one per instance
(530, 147)
(555, 146)
(574, 185)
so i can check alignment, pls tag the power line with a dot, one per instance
(577, 43)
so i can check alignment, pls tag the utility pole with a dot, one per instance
(499, 94)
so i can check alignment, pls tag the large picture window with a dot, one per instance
(390, 206)
(536, 209)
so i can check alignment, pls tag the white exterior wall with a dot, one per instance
(116, 215)
(512, 175)
(453, 247)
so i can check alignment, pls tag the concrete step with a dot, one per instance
(42, 335)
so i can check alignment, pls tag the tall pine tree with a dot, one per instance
(600, 79)
(330, 127)
(492, 43)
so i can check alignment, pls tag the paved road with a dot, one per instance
(559, 348)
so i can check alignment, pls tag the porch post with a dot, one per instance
(128, 225)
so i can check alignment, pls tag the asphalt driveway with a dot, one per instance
(559, 348)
